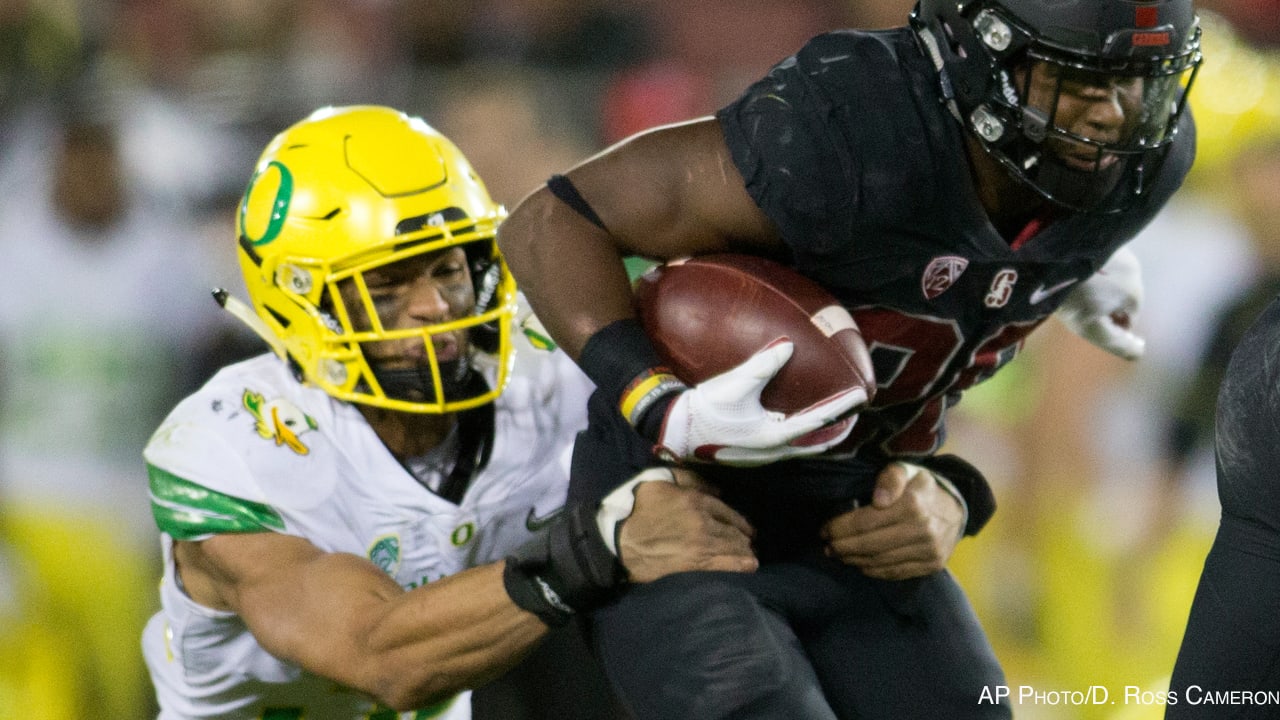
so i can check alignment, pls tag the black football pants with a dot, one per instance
(810, 640)
(1232, 641)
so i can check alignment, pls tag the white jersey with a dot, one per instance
(254, 450)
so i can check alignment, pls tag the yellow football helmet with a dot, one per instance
(352, 190)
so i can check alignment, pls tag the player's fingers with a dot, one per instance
(869, 518)
(686, 478)
(902, 571)
(1121, 340)
(826, 411)
(732, 563)
(898, 540)
(827, 436)
(753, 373)
(918, 551)
(892, 482)
(755, 457)
(766, 363)
(728, 517)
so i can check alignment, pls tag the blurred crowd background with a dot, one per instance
(128, 129)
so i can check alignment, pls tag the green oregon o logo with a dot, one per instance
(279, 206)
(463, 534)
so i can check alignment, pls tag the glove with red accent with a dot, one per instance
(1103, 308)
(721, 419)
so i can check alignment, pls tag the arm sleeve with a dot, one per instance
(794, 162)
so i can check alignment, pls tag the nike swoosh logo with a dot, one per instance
(1041, 293)
(533, 523)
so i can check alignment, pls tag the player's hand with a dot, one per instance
(910, 528)
(1103, 308)
(721, 419)
(677, 524)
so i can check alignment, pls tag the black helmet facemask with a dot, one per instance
(1145, 53)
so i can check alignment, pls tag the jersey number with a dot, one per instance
(917, 375)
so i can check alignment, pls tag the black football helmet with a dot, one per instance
(984, 51)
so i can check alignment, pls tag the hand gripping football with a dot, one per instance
(708, 314)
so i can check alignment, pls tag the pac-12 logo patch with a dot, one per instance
(279, 420)
(941, 274)
(385, 553)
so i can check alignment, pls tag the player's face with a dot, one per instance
(1097, 107)
(422, 290)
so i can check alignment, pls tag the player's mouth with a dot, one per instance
(446, 348)
(1090, 162)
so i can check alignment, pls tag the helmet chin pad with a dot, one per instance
(414, 384)
(1079, 189)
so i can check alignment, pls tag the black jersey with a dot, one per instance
(849, 150)
(1248, 412)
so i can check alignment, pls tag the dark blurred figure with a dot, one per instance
(1256, 201)
(1232, 639)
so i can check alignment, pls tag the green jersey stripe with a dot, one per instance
(187, 511)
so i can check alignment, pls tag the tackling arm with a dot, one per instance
(340, 617)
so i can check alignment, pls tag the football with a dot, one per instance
(708, 314)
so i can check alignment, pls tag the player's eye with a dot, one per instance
(449, 271)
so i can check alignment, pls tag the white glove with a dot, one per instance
(1102, 309)
(721, 419)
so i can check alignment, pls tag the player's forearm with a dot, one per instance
(570, 271)
(456, 633)
(340, 617)
(466, 629)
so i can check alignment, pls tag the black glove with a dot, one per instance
(565, 568)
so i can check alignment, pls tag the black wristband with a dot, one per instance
(563, 569)
(649, 424)
(622, 362)
(972, 485)
(532, 593)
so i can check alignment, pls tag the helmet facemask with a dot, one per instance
(1022, 95)
(375, 351)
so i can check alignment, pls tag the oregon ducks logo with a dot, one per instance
(279, 420)
(259, 203)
